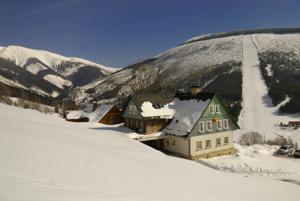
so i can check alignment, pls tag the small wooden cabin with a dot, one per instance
(110, 114)
(147, 113)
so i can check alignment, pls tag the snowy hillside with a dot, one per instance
(46, 72)
(20, 56)
(46, 158)
(260, 76)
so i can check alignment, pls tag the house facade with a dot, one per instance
(201, 128)
(147, 113)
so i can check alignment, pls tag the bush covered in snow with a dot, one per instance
(251, 138)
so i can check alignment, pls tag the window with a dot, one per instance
(207, 144)
(217, 108)
(132, 109)
(174, 142)
(201, 127)
(141, 125)
(199, 145)
(211, 109)
(209, 126)
(226, 140)
(136, 124)
(167, 142)
(218, 142)
(225, 124)
(219, 125)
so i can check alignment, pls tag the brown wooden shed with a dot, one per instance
(109, 114)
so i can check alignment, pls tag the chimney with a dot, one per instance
(195, 89)
(95, 105)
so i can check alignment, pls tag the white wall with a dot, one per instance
(181, 145)
(212, 138)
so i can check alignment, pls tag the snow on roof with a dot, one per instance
(100, 112)
(166, 111)
(93, 116)
(186, 116)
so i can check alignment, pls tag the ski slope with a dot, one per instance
(44, 157)
(258, 113)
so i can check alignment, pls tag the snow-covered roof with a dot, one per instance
(166, 111)
(187, 113)
(101, 111)
(93, 116)
(154, 105)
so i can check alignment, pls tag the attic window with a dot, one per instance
(211, 109)
(176, 121)
(217, 108)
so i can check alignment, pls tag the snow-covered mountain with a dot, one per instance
(258, 75)
(45, 72)
(214, 61)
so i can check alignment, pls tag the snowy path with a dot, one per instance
(258, 113)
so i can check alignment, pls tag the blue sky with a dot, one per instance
(120, 32)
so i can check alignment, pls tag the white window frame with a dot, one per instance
(225, 123)
(217, 110)
(199, 147)
(203, 126)
(219, 122)
(211, 109)
(211, 125)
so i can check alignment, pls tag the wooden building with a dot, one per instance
(109, 114)
(148, 113)
(105, 114)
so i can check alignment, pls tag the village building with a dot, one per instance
(109, 114)
(202, 127)
(193, 125)
(148, 113)
(105, 114)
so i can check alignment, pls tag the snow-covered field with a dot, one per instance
(258, 113)
(44, 157)
(258, 160)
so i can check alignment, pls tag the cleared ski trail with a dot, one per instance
(258, 113)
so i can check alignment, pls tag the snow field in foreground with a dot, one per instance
(45, 158)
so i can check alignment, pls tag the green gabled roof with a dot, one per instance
(202, 96)
(227, 110)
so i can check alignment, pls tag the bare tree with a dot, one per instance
(142, 78)
(251, 138)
